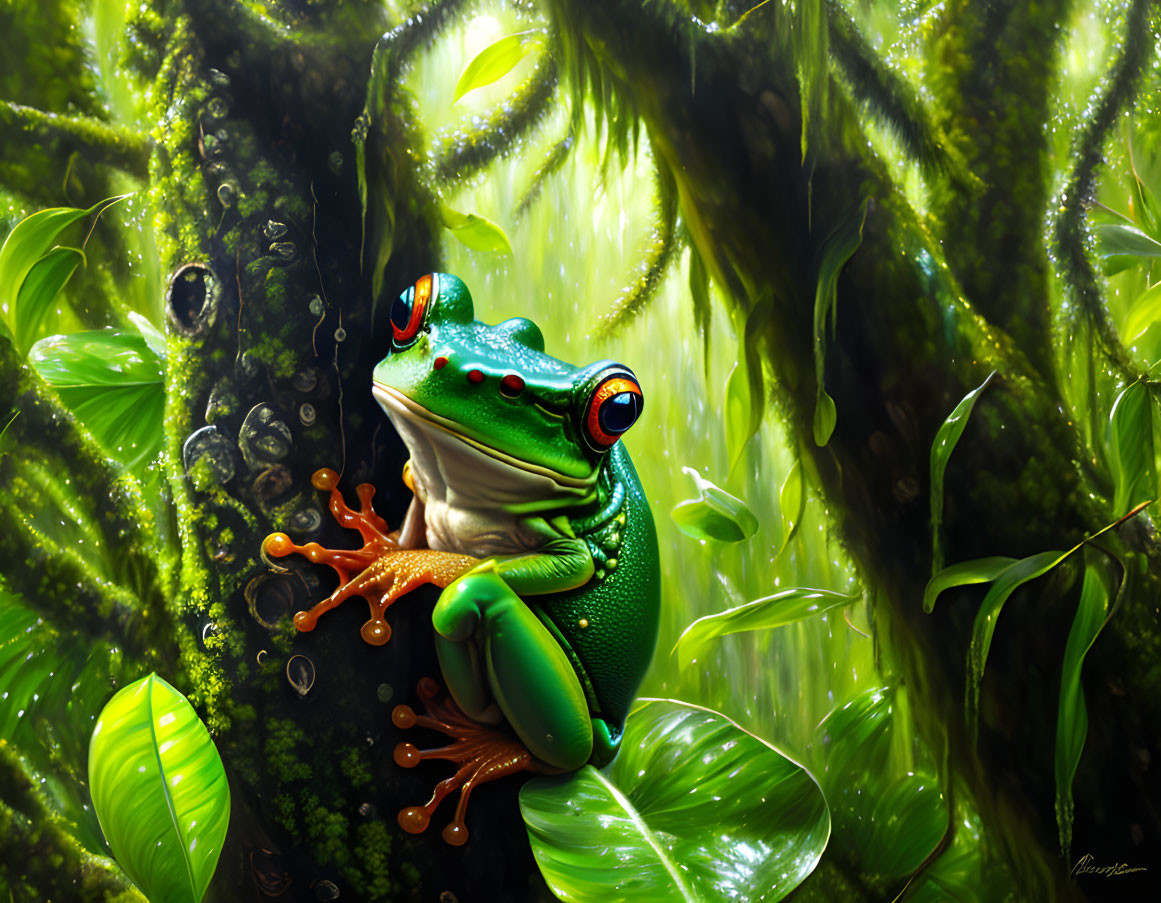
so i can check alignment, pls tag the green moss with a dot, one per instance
(354, 767)
(284, 738)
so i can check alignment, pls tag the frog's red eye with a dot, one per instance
(410, 309)
(614, 406)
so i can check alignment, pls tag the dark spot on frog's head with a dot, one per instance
(522, 330)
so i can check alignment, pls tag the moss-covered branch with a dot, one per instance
(26, 131)
(1072, 234)
(996, 68)
(663, 246)
(39, 856)
(888, 95)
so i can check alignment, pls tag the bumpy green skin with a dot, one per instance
(560, 634)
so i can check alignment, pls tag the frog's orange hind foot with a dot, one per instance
(483, 753)
(380, 571)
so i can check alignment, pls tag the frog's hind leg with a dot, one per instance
(491, 644)
(483, 753)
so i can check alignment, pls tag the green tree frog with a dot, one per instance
(528, 511)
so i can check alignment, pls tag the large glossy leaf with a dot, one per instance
(1072, 715)
(715, 514)
(966, 573)
(160, 791)
(1131, 447)
(887, 817)
(984, 626)
(946, 439)
(777, 610)
(495, 61)
(693, 808)
(114, 383)
(28, 242)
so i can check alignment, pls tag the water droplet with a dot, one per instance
(300, 672)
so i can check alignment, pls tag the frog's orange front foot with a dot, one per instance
(482, 752)
(380, 571)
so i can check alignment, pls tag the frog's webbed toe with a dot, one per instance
(483, 753)
(380, 571)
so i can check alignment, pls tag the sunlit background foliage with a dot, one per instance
(583, 232)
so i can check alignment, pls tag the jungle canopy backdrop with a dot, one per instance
(885, 274)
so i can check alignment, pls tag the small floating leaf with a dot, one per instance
(476, 232)
(825, 418)
(159, 790)
(942, 446)
(782, 608)
(1009, 580)
(741, 424)
(693, 808)
(1072, 715)
(978, 570)
(791, 503)
(715, 514)
(494, 62)
(1131, 447)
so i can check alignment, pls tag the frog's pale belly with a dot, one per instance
(477, 501)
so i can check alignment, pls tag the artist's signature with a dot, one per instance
(1087, 865)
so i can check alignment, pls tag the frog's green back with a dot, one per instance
(609, 625)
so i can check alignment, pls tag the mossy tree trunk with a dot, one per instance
(917, 328)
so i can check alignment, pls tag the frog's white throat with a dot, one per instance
(476, 498)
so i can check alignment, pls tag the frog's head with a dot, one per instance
(496, 389)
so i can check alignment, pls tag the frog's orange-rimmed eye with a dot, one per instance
(613, 407)
(410, 309)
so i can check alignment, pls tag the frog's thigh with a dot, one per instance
(525, 669)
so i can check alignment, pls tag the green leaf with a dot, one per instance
(887, 817)
(825, 418)
(1122, 246)
(114, 384)
(495, 61)
(978, 570)
(742, 420)
(1131, 447)
(715, 514)
(984, 626)
(476, 232)
(836, 251)
(693, 808)
(702, 310)
(154, 338)
(41, 286)
(1146, 311)
(777, 610)
(857, 736)
(1072, 715)
(29, 241)
(791, 504)
(942, 446)
(160, 791)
